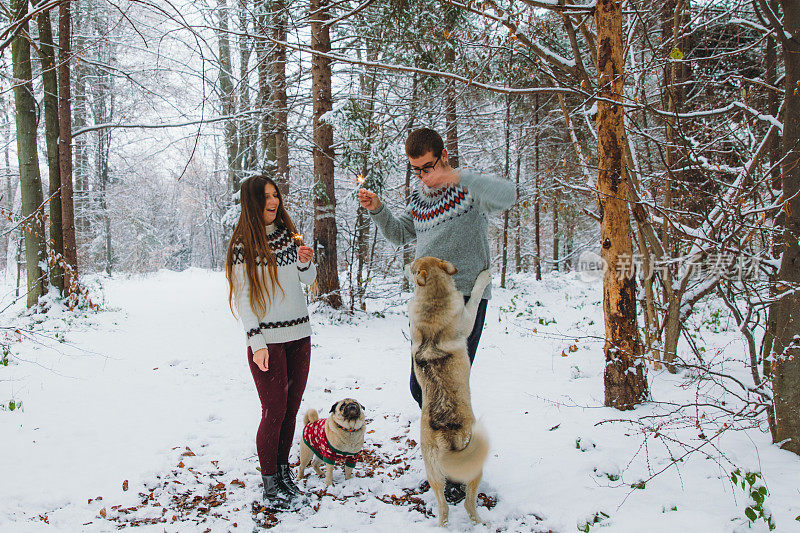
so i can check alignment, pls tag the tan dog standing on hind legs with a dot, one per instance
(336, 439)
(453, 446)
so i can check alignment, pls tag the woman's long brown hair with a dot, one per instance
(250, 232)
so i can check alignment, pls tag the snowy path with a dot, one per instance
(162, 371)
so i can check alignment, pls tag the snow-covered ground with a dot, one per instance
(145, 414)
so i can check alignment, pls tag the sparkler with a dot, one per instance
(360, 181)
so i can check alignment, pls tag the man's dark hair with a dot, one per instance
(424, 140)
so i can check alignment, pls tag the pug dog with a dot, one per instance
(333, 440)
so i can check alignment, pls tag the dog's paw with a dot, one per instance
(409, 275)
(478, 521)
(484, 279)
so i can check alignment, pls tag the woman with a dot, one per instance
(265, 266)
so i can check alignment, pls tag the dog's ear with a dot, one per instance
(447, 267)
(333, 407)
(362, 407)
(420, 278)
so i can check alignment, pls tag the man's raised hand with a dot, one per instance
(368, 199)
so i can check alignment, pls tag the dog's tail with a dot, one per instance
(310, 416)
(465, 465)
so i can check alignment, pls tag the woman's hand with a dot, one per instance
(261, 359)
(305, 254)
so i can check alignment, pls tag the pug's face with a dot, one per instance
(348, 413)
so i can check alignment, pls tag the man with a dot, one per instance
(448, 217)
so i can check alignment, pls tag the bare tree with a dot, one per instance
(324, 193)
(537, 198)
(248, 127)
(50, 83)
(280, 102)
(228, 96)
(102, 106)
(625, 383)
(65, 146)
(785, 354)
(30, 179)
(451, 117)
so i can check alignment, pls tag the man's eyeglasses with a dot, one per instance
(427, 168)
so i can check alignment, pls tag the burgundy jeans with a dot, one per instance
(280, 390)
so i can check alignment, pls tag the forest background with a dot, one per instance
(656, 135)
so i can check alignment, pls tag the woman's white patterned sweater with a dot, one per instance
(286, 318)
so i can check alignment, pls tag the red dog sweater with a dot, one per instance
(315, 438)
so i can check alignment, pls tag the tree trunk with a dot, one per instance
(103, 107)
(266, 110)
(280, 104)
(79, 105)
(537, 200)
(65, 148)
(369, 86)
(650, 315)
(556, 207)
(786, 343)
(29, 177)
(324, 193)
(228, 96)
(506, 175)
(672, 94)
(450, 117)
(672, 328)
(247, 125)
(771, 76)
(50, 84)
(9, 196)
(408, 253)
(776, 183)
(568, 250)
(517, 217)
(625, 382)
